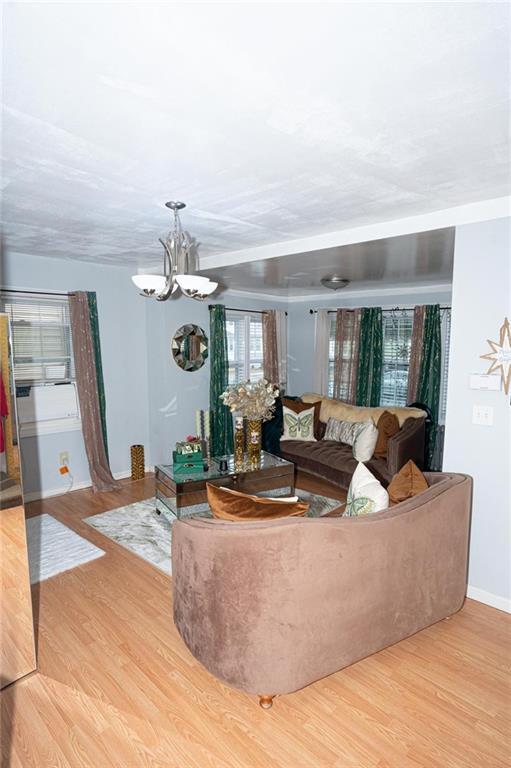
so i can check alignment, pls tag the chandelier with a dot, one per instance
(177, 254)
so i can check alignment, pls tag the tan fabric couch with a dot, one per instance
(269, 607)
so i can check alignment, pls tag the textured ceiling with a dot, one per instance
(272, 121)
(418, 261)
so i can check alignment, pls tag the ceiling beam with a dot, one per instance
(484, 210)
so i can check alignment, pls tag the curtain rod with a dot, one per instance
(392, 309)
(35, 293)
(233, 309)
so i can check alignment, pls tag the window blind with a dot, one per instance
(244, 346)
(446, 340)
(397, 343)
(41, 336)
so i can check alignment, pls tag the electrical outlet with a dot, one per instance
(64, 458)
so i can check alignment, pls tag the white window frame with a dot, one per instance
(47, 426)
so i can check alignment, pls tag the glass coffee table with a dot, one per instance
(185, 494)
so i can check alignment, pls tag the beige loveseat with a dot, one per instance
(269, 607)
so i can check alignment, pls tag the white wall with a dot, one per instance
(481, 299)
(123, 344)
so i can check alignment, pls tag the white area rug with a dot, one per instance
(54, 548)
(139, 528)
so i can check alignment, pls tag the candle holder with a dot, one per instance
(254, 428)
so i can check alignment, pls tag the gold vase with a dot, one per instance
(254, 427)
(239, 443)
(137, 462)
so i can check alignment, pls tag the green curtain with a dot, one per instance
(222, 439)
(428, 387)
(370, 357)
(94, 326)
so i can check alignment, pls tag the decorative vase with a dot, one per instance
(137, 462)
(254, 427)
(239, 443)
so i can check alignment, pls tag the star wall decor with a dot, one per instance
(501, 355)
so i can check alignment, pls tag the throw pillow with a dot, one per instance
(408, 482)
(298, 407)
(365, 441)
(362, 435)
(234, 505)
(366, 494)
(388, 426)
(341, 431)
(298, 426)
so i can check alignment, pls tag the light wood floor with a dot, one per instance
(117, 687)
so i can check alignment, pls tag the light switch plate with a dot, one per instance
(483, 415)
(490, 381)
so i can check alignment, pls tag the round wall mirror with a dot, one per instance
(190, 347)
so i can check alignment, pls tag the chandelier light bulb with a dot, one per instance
(150, 285)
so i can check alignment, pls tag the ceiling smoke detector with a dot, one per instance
(334, 282)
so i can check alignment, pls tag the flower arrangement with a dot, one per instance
(255, 400)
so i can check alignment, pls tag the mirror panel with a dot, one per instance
(17, 642)
(190, 347)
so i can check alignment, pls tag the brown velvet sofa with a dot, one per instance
(270, 607)
(334, 461)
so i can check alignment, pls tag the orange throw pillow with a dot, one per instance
(408, 482)
(388, 426)
(233, 505)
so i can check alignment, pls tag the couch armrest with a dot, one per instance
(407, 444)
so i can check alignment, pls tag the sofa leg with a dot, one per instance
(266, 702)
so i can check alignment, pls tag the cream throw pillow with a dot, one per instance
(366, 494)
(365, 441)
(298, 426)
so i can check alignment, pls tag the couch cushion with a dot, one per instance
(365, 494)
(234, 505)
(331, 460)
(408, 482)
(388, 426)
(346, 412)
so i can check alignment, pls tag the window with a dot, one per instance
(397, 343)
(43, 363)
(244, 346)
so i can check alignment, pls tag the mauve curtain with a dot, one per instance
(94, 326)
(321, 350)
(370, 357)
(347, 354)
(222, 438)
(281, 324)
(270, 348)
(84, 352)
(416, 352)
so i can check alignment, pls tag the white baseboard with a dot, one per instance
(496, 601)
(37, 495)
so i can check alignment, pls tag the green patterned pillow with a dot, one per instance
(366, 494)
(299, 426)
